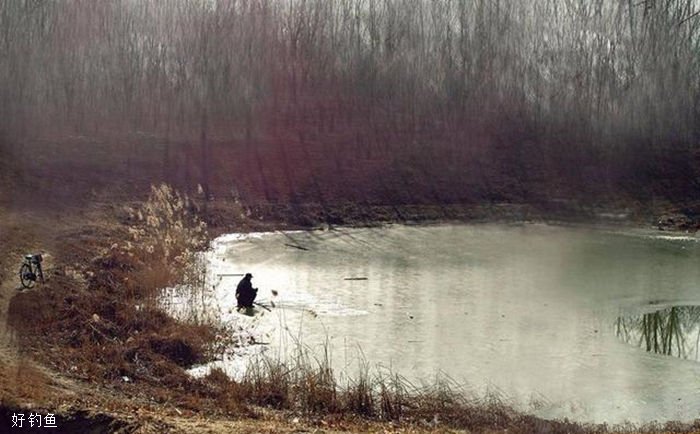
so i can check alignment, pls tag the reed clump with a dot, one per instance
(105, 316)
(308, 386)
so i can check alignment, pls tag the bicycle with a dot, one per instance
(31, 270)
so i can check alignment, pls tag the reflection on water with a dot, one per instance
(674, 331)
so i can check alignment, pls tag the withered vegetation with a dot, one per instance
(99, 319)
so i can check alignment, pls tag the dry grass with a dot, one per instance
(101, 322)
(99, 314)
(308, 386)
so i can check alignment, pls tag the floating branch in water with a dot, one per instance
(295, 246)
(355, 278)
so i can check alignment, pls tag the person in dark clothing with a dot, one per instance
(245, 293)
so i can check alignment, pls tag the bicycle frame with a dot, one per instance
(31, 270)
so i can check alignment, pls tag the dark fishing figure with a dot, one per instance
(245, 293)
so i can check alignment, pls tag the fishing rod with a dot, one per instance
(221, 277)
(263, 306)
(298, 308)
(274, 294)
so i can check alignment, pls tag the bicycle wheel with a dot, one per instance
(26, 276)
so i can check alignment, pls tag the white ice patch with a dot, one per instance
(234, 366)
(674, 238)
(653, 235)
(227, 239)
(286, 304)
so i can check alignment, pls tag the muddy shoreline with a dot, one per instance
(225, 217)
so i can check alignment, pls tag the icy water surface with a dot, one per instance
(529, 312)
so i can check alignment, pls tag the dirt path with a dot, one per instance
(21, 376)
(8, 347)
(23, 381)
(8, 288)
(9, 283)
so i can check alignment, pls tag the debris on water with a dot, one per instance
(126, 379)
(274, 292)
(355, 278)
(295, 246)
(378, 304)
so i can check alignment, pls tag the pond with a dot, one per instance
(535, 314)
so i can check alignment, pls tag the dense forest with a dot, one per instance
(377, 102)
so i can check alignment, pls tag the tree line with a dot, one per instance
(289, 100)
